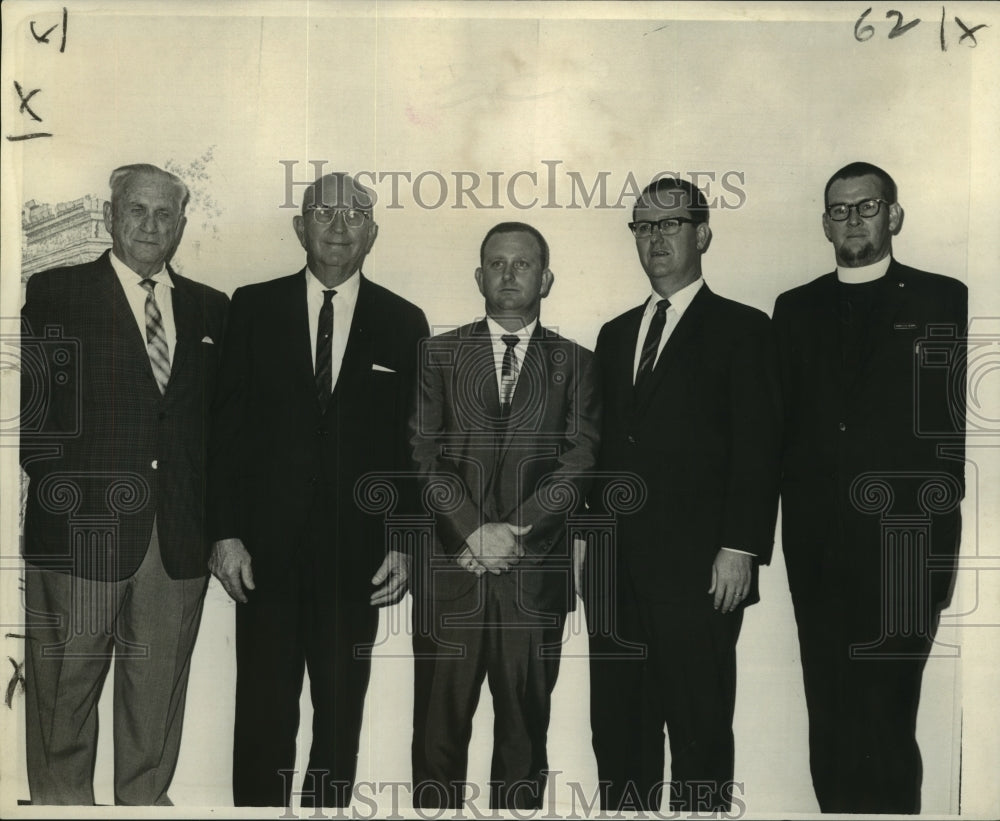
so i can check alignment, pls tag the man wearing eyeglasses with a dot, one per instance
(317, 378)
(692, 413)
(872, 366)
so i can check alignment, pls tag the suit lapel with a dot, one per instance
(186, 326)
(127, 336)
(529, 393)
(292, 313)
(825, 328)
(891, 304)
(678, 342)
(358, 355)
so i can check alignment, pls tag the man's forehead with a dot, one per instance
(867, 185)
(340, 191)
(513, 241)
(145, 185)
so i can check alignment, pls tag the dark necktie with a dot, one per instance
(508, 373)
(647, 358)
(156, 338)
(324, 352)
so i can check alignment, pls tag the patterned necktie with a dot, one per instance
(647, 358)
(508, 373)
(156, 338)
(324, 349)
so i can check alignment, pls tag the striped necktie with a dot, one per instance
(156, 338)
(651, 345)
(324, 349)
(508, 373)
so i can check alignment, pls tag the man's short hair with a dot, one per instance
(516, 228)
(364, 197)
(862, 169)
(120, 178)
(662, 193)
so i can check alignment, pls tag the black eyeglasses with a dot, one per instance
(667, 227)
(324, 215)
(840, 211)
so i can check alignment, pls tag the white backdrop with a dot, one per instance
(765, 99)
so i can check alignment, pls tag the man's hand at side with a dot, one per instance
(230, 564)
(731, 572)
(390, 579)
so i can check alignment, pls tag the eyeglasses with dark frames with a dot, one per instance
(667, 226)
(867, 209)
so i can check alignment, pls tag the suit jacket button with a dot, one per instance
(631, 439)
(842, 426)
(155, 464)
(161, 415)
(321, 431)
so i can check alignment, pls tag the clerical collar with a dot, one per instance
(866, 273)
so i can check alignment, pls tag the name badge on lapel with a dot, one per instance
(904, 326)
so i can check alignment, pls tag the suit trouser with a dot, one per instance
(300, 622)
(485, 633)
(863, 750)
(655, 663)
(148, 623)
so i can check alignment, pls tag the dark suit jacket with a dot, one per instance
(475, 468)
(97, 437)
(277, 457)
(906, 401)
(703, 440)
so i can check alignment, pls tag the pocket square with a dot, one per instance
(382, 368)
(208, 340)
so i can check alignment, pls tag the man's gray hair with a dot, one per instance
(120, 178)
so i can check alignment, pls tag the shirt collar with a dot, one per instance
(128, 276)
(866, 273)
(348, 289)
(679, 300)
(497, 330)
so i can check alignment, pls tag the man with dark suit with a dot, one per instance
(315, 391)
(691, 413)
(119, 360)
(872, 366)
(504, 434)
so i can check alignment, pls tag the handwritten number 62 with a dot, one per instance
(866, 31)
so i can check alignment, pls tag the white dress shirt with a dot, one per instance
(866, 273)
(343, 303)
(497, 332)
(136, 296)
(678, 305)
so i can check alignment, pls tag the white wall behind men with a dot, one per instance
(770, 98)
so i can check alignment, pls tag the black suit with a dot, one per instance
(283, 478)
(531, 467)
(700, 444)
(117, 474)
(873, 473)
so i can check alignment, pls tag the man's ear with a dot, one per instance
(372, 234)
(109, 217)
(547, 280)
(703, 236)
(479, 280)
(300, 229)
(826, 226)
(895, 218)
